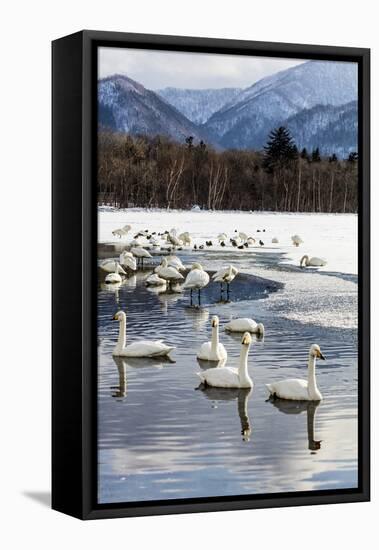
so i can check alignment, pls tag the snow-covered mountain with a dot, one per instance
(334, 129)
(316, 100)
(198, 105)
(124, 105)
(247, 120)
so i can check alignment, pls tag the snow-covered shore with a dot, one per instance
(330, 236)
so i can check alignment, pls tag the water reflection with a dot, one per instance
(288, 406)
(197, 316)
(123, 363)
(228, 394)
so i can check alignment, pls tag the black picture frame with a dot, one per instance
(74, 232)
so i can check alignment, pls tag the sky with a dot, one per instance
(159, 69)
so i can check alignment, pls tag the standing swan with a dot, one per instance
(296, 389)
(213, 350)
(143, 348)
(196, 279)
(314, 261)
(229, 377)
(225, 275)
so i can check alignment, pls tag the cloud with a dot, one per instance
(159, 69)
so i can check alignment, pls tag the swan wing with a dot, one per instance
(204, 351)
(197, 278)
(292, 388)
(221, 377)
(241, 325)
(147, 348)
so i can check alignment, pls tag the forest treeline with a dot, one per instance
(157, 172)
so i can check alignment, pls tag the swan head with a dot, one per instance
(196, 265)
(119, 316)
(261, 329)
(246, 339)
(215, 321)
(315, 351)
(305, 258)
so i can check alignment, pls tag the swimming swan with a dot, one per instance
(143, 348)
(296, 389)
(245, 325)
(314, 261)
(213, 350)
(115, 277)
(229, 377)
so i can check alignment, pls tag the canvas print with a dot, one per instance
(227, 303)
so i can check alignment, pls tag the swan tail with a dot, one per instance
(202, 377)
(269, 388)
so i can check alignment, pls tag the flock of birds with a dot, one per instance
(168, 274)
(223, 376)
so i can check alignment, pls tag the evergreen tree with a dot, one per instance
(316, 155)
(280, 149)
(304, 154)
(333, 158)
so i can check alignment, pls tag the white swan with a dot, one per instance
(245, 324)
(196, 279)
(141, 254)
(128, 260)
(185, 238)
(213, 350)
(174, 261)
(230, 377)
(296, 240)
(115, 277)
(300, 390)
(155, 280)
(122, 232)
(314, 261)
(225, 275)
(169, 273)
(109, 265)
(143, 348)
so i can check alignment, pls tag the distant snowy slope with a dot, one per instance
(126, 106)
(246, 121)
(334, 129)
(198, 105)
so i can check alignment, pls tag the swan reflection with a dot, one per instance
(288, 406)
(124, 363)
(198, 316)
(241, 395)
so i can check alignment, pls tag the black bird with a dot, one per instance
(263, 230)
(234, 243)
(246, 245)
(209, 243)
(240, 247)
(154, 233)
(261, 242)
(148, 237)
(222, 243)
(258, 230)
(195, 246)
(201, 247)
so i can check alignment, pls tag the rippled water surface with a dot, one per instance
(160, 437)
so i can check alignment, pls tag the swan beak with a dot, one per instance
(115, 318)
(321, 356)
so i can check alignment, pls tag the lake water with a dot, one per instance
(160, 437)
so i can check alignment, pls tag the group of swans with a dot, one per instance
(223, 376)
(293, 389)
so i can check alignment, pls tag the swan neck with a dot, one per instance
(312, 384)
(243, 373)
(214, 340)
(121, 342)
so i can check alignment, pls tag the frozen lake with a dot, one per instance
(161, 438)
